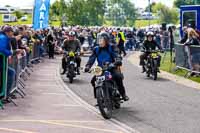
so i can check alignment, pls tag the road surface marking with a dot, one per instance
(90, 108)
(78, 126)
(15, 130)
(56, 122)
(68, 121)
(61, 94)
(67, 105)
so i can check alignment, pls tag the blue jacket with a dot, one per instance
(5, 47)
(107, 54)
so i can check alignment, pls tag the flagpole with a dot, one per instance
(149, 13)
(33, 14)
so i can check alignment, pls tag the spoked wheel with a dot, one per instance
(104, 102)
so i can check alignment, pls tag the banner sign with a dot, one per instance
(41, 14)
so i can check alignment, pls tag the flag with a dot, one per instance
(41, 14)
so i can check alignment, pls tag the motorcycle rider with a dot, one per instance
(105, 53)
(74, 45)
(149, 44)
(120, 40)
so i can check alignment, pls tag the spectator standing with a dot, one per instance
(50, 42)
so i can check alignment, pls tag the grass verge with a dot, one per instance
(167, 66)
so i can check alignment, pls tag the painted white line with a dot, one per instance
(78, 126)
(114, 122)
(67, 121)
(60, 94)
(67, 105)
(15, 130)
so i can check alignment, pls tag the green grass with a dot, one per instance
(170, 67)
(138, 23)
(55, 23)
(29, 21)
(19, 22)
(143, 23)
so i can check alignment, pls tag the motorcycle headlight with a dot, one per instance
(154, 55)
(97, 71)
(71, 54)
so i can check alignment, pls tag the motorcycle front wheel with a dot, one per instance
(71, 74)
(155, 70)
(104, 102)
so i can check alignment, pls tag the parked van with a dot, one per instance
(9, 18)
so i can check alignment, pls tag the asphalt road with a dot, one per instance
(155, 106)
(51, 107)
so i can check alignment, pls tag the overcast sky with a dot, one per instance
(22, 3)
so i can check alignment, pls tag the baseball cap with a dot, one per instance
(7, 29)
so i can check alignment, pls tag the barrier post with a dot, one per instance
(3, 72)
(184, 55)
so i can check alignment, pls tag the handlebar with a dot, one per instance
(67, 53)
(151, 51)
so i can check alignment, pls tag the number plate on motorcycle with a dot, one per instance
(101, 78)
(154, 55)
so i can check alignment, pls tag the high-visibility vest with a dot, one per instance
(122, 36)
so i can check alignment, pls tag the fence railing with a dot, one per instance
(22, 65)
(184, 57)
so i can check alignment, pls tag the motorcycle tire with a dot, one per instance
(117, 105)
(104, 103)
(71, 74)
(155, 70)
(71, 79)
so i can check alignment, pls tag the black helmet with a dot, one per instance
(105, 36)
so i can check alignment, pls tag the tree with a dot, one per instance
(151, 7)
(18, 14)
(121, 12)
(178, 3)
(157, 7)
(92, 12)
(168, 15)
(7, 6)
(87, 12)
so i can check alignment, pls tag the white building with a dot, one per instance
(28, 10)
(7, 10)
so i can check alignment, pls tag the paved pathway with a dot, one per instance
(50, 107)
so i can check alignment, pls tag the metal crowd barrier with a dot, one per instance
(183, 57)
(23, 67)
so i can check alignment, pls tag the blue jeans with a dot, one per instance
(11, 79)
(129, 45)
(41, 51)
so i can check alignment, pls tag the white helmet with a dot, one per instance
(72, 33)
(150, 33)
